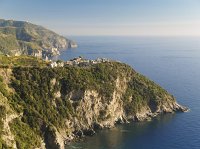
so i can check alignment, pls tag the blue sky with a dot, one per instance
(108, 17)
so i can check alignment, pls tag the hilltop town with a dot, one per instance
(79, 61)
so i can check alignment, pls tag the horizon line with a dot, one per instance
(135, 35)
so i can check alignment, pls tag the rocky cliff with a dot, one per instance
(19, 37)
(45, 107)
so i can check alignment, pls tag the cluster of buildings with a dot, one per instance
(57, 64)
(79, 61)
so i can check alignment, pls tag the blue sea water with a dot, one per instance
(172, 62)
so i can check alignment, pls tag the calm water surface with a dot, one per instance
(174, 63)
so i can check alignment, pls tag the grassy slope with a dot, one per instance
(24, 61)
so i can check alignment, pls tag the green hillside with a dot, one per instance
(53, 105)
(19, 37)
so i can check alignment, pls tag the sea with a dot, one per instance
(173, 63)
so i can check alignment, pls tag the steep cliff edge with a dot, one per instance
(55, 105)
(24, 38)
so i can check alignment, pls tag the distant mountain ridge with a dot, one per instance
(21, 37)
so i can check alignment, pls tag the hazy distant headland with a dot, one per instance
(24, 38)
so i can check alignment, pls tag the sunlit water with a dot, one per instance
(174, 63)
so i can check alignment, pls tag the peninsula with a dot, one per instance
(45, 106)
(24, 38)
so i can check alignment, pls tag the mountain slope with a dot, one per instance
(48, 106)
(19, 37)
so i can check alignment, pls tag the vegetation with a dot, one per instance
(3, 88)
(4, 110)
(25, 61)
(8, 44)
(2, 114)
(37, 95)
(142, 91)
(25, 137)
(18, 37)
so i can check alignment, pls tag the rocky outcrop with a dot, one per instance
(7, 115)
(7, 136)
(95, 112)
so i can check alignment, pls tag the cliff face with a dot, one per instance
(18, 37)
(60, 104)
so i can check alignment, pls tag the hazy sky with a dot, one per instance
(108, 17)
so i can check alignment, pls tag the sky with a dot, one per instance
(108, 17)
